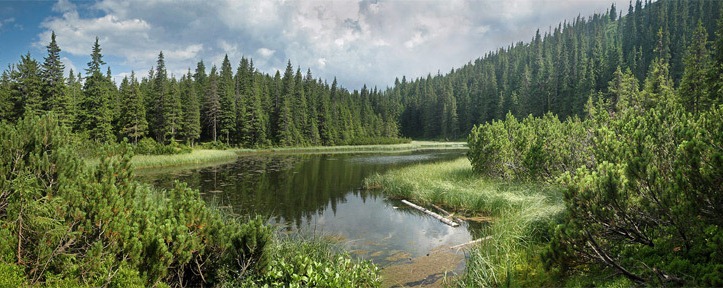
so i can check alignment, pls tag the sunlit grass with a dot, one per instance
(412, 146)
(195, 157)
(520, 213)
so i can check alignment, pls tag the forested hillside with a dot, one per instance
(557, 71)
(240, 108)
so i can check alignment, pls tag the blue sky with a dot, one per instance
(360, 42)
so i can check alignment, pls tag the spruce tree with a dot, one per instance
(174, 109)
(325, 119)
(191, 127)
(715, 75)
(212, 105)
(286, 129)
(275, 100)
(132, 120)
(312, 124)
(25, 88)
(693, 91)
(299, 110)
(160, 118)
(54, 84)
(95, 116)
(243, 80)
(227, 98)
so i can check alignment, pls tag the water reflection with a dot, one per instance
(320, 194)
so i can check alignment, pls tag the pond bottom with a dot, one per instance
(436, 269)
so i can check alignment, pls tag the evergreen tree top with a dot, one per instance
(52, 62)
(96, 59)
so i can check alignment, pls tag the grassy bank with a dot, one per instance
(520, 213)
(412, 146)
(193, 158)
(210, 156)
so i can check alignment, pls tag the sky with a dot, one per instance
(370, 42)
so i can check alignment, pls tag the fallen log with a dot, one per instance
(471, 242)
(435, 215)
(446, 214)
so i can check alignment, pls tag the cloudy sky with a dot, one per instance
(359, 42)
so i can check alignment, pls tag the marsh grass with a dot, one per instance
(520, 213)
(412, 146)
(193, 158)
(214, 156)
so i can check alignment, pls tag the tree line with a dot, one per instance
(239, 108)
(557, 71)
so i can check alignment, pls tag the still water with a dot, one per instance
(320, 194)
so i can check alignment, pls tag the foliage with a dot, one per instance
(641, 182)
(249, 109)
(61, 221)
(536, 148)
(651, 214)
(148, 146)
(315, 263)
(132, 122)
(95, 115)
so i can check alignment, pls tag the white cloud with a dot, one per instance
(265, 52)
(63, 6)
(365, 41)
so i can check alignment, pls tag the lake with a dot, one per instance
(321, 195)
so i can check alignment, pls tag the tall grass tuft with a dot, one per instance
(195, 157)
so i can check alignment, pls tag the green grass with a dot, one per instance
(205, 157)
(412, 146)
(308, 261)
(520, 213)
(193, 158)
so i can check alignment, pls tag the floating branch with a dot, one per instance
(435, 215)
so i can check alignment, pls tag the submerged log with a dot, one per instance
(471, 242)
(435, 215)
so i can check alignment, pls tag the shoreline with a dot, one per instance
(211, 157)
(518, 212)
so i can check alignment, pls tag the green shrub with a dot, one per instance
(315, 263)
(148, 146)
(642, 177)
(534, 149)
(12, 275)
(71, 225)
